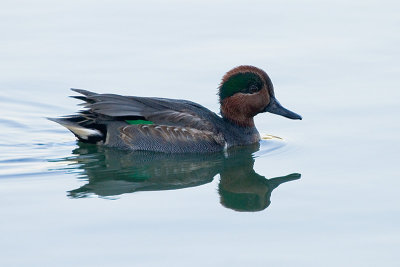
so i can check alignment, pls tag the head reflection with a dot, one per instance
(112, 172)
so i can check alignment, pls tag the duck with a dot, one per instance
(175, 125)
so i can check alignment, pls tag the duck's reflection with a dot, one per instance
(112, 172)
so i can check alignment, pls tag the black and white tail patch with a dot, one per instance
(84, 134)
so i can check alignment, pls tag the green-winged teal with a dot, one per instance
(176, 126)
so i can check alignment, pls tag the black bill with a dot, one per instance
(275, 107)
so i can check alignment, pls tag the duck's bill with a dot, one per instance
(276, 108)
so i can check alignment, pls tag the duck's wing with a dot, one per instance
(159, 111)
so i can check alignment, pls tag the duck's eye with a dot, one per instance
(253, 89)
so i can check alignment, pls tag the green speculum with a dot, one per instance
(139, 122)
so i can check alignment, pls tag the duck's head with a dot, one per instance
(246, 91)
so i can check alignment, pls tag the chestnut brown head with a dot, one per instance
(246, 91)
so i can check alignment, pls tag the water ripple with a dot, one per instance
(12, 123)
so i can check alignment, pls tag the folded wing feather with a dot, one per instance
(161, 111)
(170, 138)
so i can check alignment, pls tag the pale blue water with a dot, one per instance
(333, 62)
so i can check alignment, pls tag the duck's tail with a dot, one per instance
(84, 131)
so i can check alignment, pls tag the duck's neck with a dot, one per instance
(238, 119)
(239, 133)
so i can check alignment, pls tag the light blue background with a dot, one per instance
(334, 62)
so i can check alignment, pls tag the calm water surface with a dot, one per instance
(325, 194)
